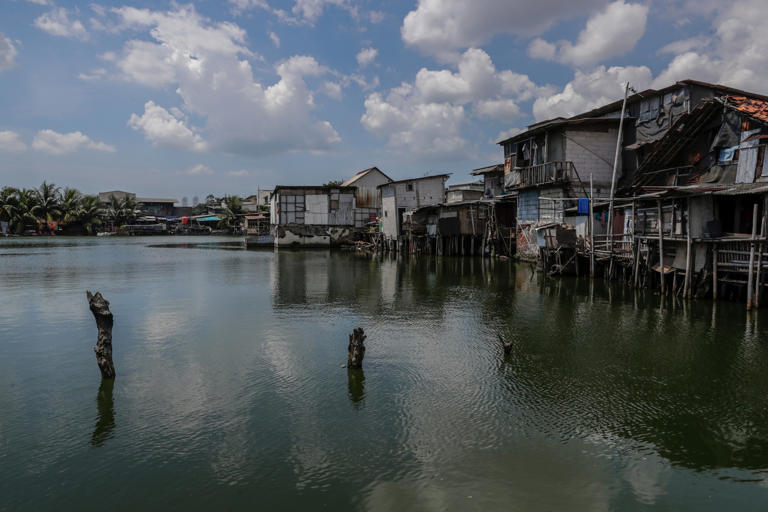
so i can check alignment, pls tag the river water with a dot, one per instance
(230, 392)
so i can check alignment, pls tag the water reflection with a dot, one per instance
(356, 386)
(105, 420)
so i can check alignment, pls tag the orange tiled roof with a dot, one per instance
(752, 107)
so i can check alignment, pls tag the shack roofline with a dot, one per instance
(362, 173)
(486, 170)
(634, 98)
(445, 175)
(156, 200)
(558, 122)
(278, 188)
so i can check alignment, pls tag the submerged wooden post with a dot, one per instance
(356, 349)
(100, 309)
(750, 279)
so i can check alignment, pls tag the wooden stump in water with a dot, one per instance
(100, 309)
(356, 349)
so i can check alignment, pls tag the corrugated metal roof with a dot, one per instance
(490, 168)
(362, 173)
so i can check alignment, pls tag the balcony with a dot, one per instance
(541, 174)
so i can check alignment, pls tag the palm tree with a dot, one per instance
(70, 205)
(89, 213)
(48, 207)
(18, 206)
(131, 209)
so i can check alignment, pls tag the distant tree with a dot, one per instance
(70, 205)
(89, 213)
(47, 207)
(185, 201)
(233, 208)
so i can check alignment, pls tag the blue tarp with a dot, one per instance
(210, 218)
(583, 206)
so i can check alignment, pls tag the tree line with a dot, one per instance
(37, 209)
(48, 207)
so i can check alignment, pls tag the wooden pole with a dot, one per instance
(759, 280)
(356, 349)
(688, 245)
(104, 321)
(750, 280)
(591, 230)
(660, 226)
(714, 273)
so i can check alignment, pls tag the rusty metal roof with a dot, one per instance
(490, 168)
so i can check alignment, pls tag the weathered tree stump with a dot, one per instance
(100, 309)
(356, 349)
(507, 345)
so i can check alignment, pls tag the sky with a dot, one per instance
(180, 99)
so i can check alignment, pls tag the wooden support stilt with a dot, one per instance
(688, 246)
(591, 230)
(637, 262)
(714, 273)
(750, 279)
(660, 223)
(759, 280)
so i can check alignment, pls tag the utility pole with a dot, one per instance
(616, 165)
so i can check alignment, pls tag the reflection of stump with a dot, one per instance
(356, 383)
(105, 421)
(356, 349)
(102, 314)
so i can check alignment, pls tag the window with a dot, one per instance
(409, 187)
(385, 213)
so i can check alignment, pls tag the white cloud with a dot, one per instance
(275, 39)
(7, 53)
(609, 33)
(735, 55)
(56, 143)
(207, 64)
(11, 142)
(95, 74)
(302, 12)
(591, 90)
(167, 130)
(332, 90)
(377, 16)
(441, 27)
(58, 23)
(506, 134)
(197, 170)
(39, 2)
(427, 115)
(366, 56)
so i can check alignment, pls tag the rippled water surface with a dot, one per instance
(230, 392)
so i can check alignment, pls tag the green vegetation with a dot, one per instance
(37, 209)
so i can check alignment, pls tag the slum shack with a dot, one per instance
(257, 231)
(367, 194)
(701, 201)
(399, 197)
(312, 216)
(493, 180)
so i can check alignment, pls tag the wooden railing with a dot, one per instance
(550, 172)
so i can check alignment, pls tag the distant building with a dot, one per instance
(367, 194)
(155, 206)
(398, 197)
(460, 192)
(493, 179)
